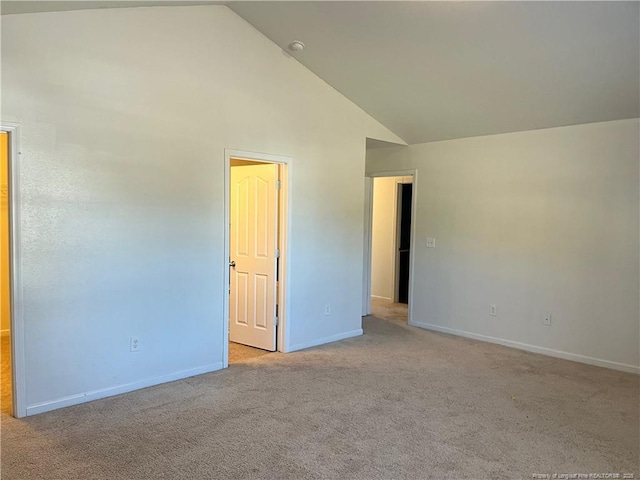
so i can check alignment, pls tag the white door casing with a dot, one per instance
(253, 235)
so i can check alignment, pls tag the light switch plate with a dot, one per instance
(431, 243)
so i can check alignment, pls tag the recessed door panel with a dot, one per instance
(240, 312)
(261, 316)
(262, 217)
(241, 197)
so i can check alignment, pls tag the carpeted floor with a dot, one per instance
(239, 353)
(394, 312)
(5, 375)
(396, 403)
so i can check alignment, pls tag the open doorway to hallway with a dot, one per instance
(257, 250)
(390, 227)
(6, 399)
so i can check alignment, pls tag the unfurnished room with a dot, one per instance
(319, 240)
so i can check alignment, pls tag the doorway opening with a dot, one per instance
(6, 400)
(256, 252)
(12, 379)
(388, 246)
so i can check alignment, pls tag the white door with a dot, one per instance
(253, 235)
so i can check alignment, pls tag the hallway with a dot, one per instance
(395, 312)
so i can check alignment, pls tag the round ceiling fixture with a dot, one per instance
(296, 46)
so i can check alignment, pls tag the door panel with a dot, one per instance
(253, 234)
(261, 302)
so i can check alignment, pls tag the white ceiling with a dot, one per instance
(12, 7)
(440, 70)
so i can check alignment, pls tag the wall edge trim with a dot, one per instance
(322, 341)
(119, 389)
(550, 352)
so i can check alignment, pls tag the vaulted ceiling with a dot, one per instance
(440, 70)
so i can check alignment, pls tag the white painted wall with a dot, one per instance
(534, 222)
(384, 233)
(125, 116)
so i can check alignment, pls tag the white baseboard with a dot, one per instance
(322, 341)
(4, 333)
(598, 362)
(117, 390)
(381, 298)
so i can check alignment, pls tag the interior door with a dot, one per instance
(253, 235)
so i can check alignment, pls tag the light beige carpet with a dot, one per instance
(239, 353)
(396, 403)
(394, 312)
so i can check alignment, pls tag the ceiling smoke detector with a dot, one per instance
(296, 46)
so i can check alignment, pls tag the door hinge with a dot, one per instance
(277, 253)
(275, 322)
(277, 184)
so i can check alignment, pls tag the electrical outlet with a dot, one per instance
(431, 243)
(547, 320)
(327, 309)
(134, 344)
(493, 310)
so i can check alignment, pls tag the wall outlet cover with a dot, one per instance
(134, 344)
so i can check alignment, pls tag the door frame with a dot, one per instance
(368, 237)
(16, 321)
(284, 230)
